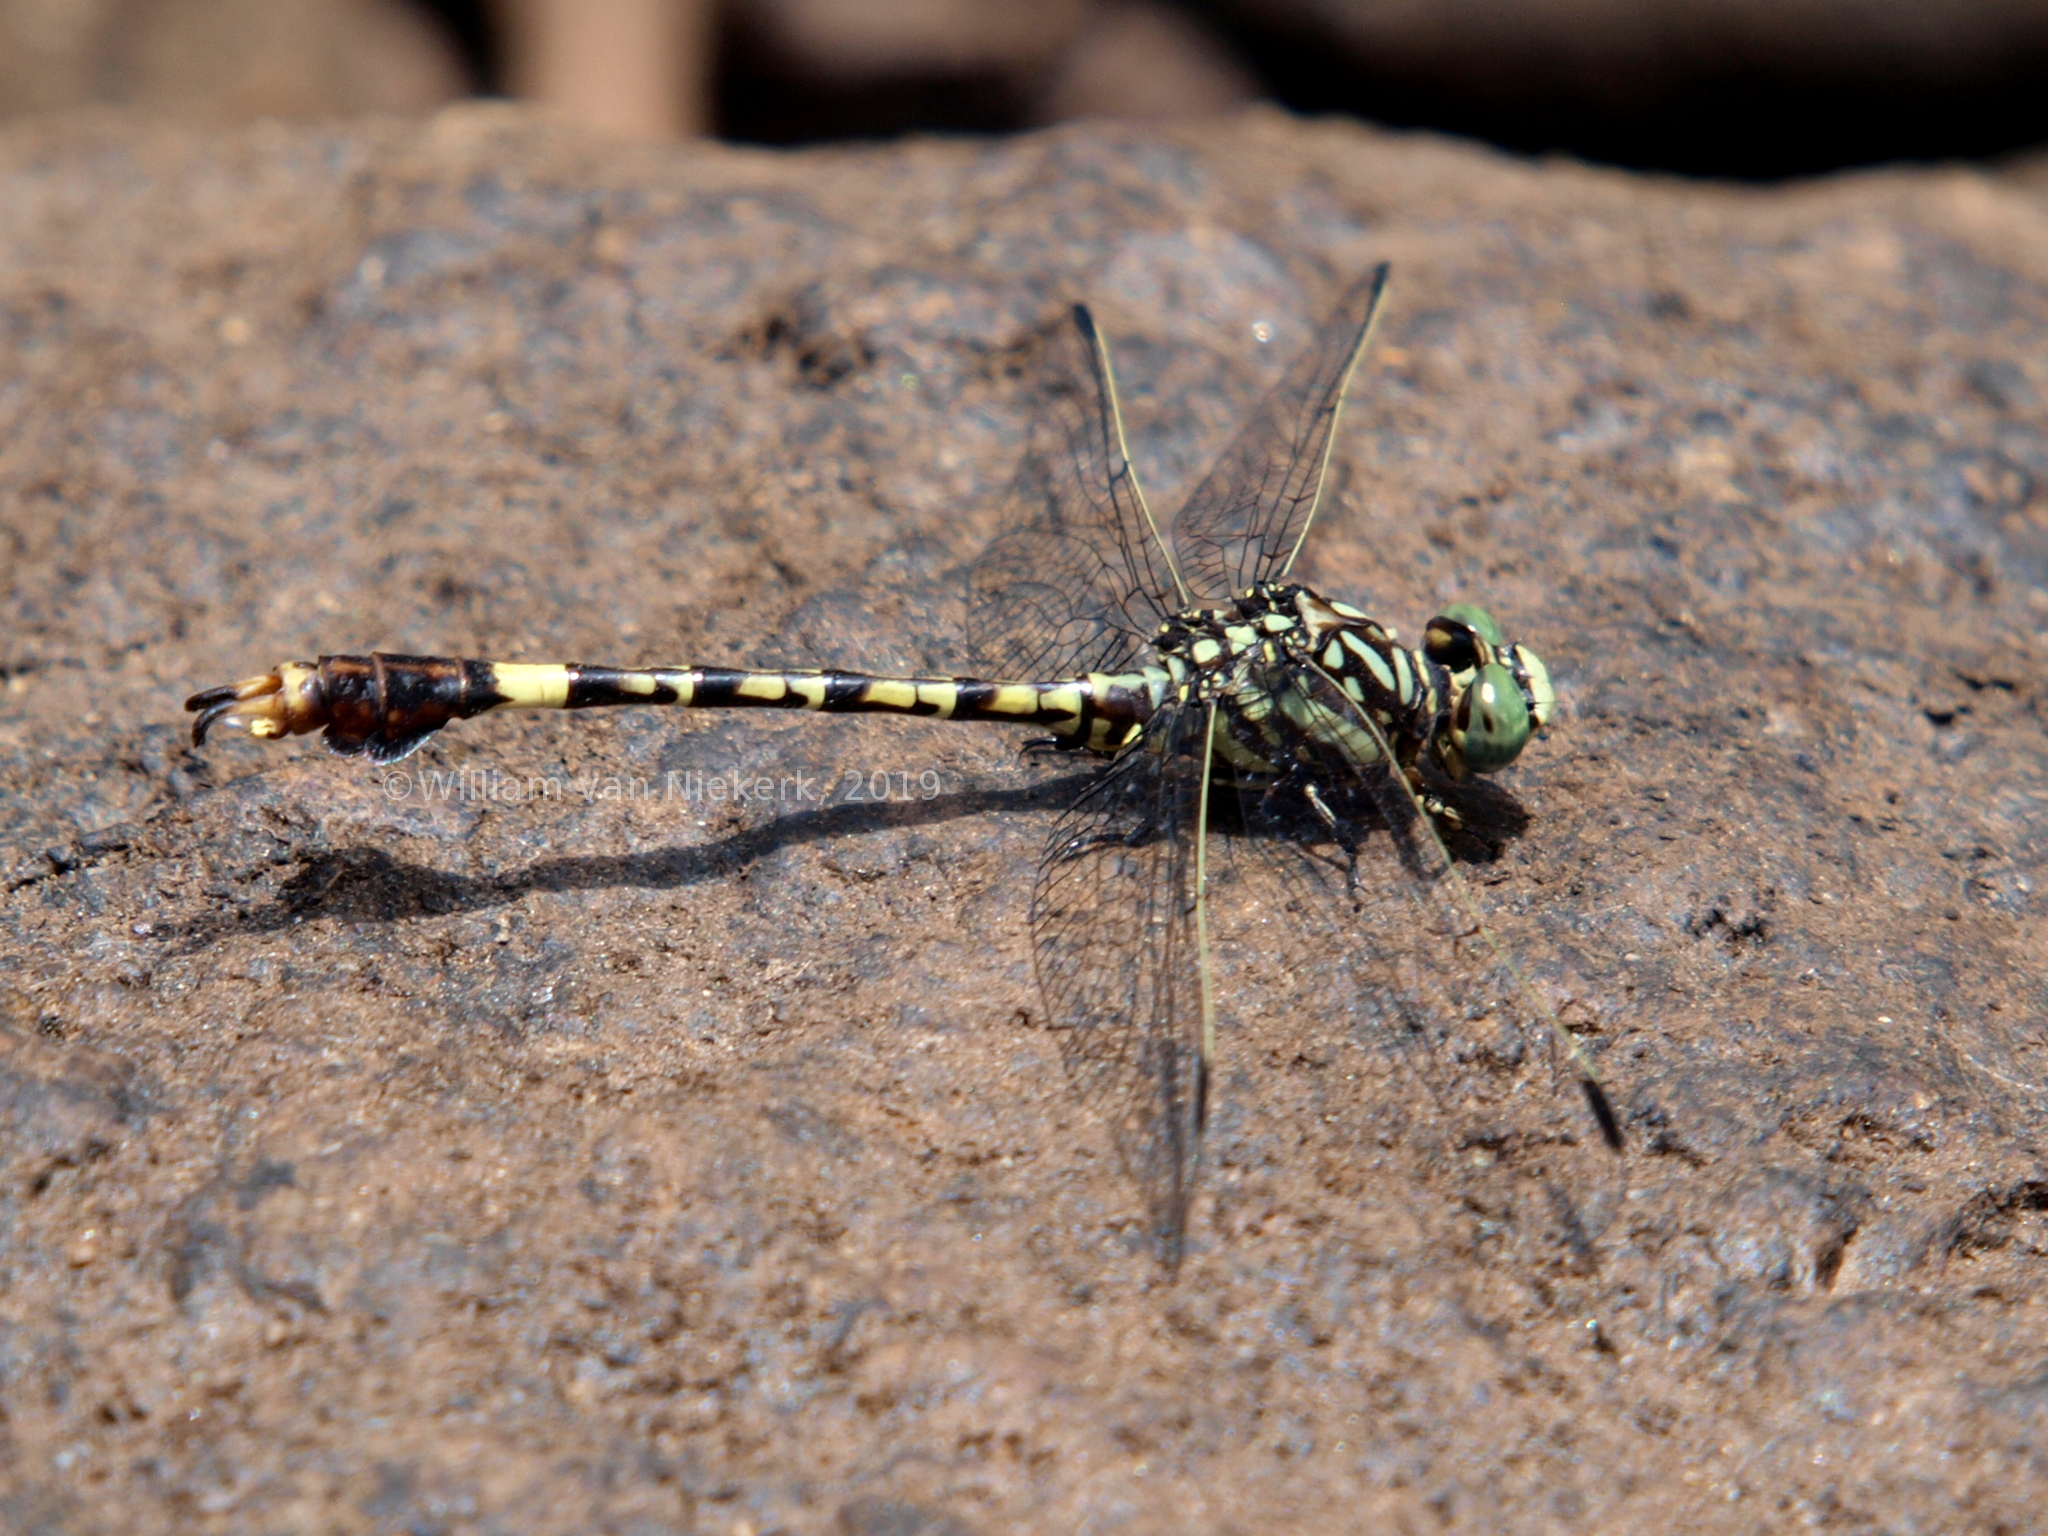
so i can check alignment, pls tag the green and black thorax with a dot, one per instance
(1271, 662)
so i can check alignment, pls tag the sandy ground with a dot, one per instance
(543, 1141)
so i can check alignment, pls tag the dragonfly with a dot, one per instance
(1220, 700)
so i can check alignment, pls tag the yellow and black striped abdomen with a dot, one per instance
(383, 706)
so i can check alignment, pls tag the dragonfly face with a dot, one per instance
(1498, 693)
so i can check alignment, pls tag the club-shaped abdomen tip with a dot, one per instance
(280, 703)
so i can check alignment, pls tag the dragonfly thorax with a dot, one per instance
(1296, 677)
(1293, 675)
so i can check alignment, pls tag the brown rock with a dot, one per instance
(798, 69)
(865, 39)
(528, 1151)
(224, 61)
(1141, 59)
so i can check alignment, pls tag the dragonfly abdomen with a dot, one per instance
(383, 706)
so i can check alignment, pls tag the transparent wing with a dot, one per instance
(1503, 1097)
(1119, 962)
(1446, 892)
(1247, 519)
(1085, 580)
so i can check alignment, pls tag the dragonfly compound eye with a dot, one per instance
(1462, 637)
(1491, 724)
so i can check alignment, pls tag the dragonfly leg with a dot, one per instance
(1338, 829)
(1442, 814)
(1038, 744)
(1323, 812)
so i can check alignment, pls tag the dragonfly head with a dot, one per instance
(1499, 694)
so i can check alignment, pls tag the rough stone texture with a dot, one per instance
(377, 1159)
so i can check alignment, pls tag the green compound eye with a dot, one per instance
(1492, 723)
(1478, 620)
(1462, 636)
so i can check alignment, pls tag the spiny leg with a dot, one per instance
(1340, 829)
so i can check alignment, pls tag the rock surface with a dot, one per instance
(538, 1141)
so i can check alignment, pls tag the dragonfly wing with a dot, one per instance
(1247, 519)
(1508, 1093)
(1119, 962)
(1084, 579)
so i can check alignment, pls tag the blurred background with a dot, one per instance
(1748, 88)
